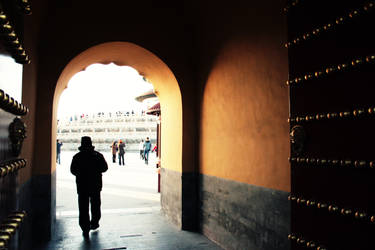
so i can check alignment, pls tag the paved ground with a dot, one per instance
(131, 217)
(131, 186)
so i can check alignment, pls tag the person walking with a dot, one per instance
(58, 151)
(147, 148)
(141, 149)
(88, 166)
(114, 151)
(121, 153)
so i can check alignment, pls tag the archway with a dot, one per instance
(168, 92)
(153, 69)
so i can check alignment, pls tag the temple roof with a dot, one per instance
(154, 110)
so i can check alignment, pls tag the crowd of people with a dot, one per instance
(118, 147)
(118, 151)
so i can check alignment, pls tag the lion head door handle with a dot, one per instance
(297, 140)
(17, 133)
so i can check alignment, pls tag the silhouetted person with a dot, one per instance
(141, 149)
(147, 149)
(58, 151)
(88, 166)
(121, 153)
(114, 151)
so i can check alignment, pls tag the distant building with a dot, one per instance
(104, 128)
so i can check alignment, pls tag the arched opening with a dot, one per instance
(153, 69)
(165, 87)
(101, 102)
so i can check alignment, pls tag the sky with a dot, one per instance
(11, 77)
(102, 88)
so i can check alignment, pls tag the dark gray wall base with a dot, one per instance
(189, 201)
(179, 196)
(171, 195)
(43, 207)
(243, 216)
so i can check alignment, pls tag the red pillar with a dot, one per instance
(158, 182)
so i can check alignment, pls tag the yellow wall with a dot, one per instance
(230, 106)
(73, 29)
(244, 129)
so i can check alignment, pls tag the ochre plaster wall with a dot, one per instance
(238, 60)
(73, 27)
(244, 108)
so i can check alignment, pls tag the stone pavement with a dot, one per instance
(132, 229)
(131, 215)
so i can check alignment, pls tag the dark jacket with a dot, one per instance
(88, 166)
(114, 148)
(58, 147)
(121, 148)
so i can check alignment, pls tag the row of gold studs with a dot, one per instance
(25, 6)
(304, 242)
(11, 166)
(333, 162)
(357, 113)
(360, 215)
(11, 41)
(329, 70)
(330, 26)
(9, 226)
(10, 105)
(292, 4)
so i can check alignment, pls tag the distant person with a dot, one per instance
(88, 166)
(147, 149)
(121, 153)
(114, 151)
(141, 149)
(58, 151)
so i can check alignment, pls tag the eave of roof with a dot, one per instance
(146, 95)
